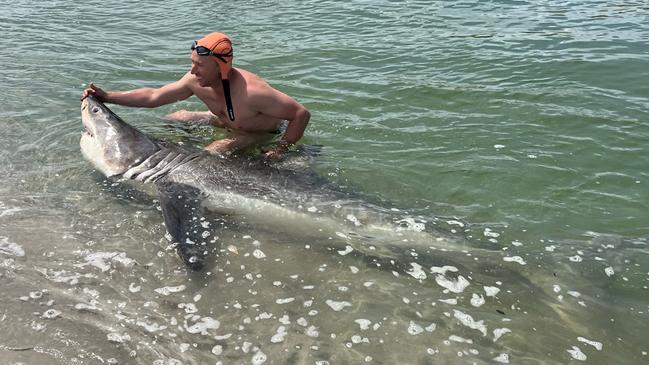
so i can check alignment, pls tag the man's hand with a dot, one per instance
(95, 91)
(276, 153)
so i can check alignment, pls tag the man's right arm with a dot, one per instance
(144, 97)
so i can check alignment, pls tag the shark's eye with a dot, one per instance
(95, 110)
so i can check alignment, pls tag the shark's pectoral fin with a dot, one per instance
(183, 215)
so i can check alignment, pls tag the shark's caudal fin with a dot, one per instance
(183, 215)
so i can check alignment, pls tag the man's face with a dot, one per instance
(205, 69)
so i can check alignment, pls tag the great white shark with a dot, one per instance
(190, 180)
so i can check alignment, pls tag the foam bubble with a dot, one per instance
(577, 354)
(204, 324)
(609, 271)
(312, 331)
(595, 344)
(10, 248)
(337, 306)
(416, 271)
(217, 350)
(167, 290)
(442, 270)
(499, 332)
(258, 254)
(455, 338)
(502, 358)
(279, 336)
(259, 358)
(491, 291)
(353, 219)
(363, 323)
(414, 329)
(456, 286)
(516, 259)
(477, 300)
(347, 250)
(468, 321)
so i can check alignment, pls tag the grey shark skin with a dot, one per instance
(190, 180)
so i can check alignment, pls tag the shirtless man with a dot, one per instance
(237, 100)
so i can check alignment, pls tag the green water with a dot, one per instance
(527, 121)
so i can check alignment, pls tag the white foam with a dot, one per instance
(455, 338)
(417, 272)
(312, 331)
(258, 254)
(204, 324)
(353, 219)
(411, 225)
(442, 270)
(468, 321)
(502, 358)
(477, 300)
(516, 259)
(363, 323)
(284, 301)
(575, 258)
(150, 327)
(451, 301)
(51, 314)
(337, 306)
(259, 358)
(134, 288)
(347, 250)
(455, 223)
(217, 350)
(499, 332)
(9, 211)
(10, 248)
(414, 329)
(167, 290)
(595, 344)
(116, 337)
(279, 336)
(609, 271)
(455, 286)
(577, 354)
(491, 291)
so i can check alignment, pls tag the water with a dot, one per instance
(516, 129)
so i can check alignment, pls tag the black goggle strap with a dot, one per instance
(228, 99)
(204, 51)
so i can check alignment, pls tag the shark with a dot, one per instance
(191, 182)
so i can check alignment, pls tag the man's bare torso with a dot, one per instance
(247, 118)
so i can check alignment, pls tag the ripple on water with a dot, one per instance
(10, 248)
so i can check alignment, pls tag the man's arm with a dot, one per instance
(144, 97)
(279, 105)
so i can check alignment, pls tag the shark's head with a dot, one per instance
(108, 142)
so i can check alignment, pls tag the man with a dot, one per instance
(238, 100)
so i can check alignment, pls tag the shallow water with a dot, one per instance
(515, 131)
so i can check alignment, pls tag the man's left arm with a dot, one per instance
(279, 105)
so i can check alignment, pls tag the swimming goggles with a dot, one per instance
(204, 51)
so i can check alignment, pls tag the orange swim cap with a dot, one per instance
(221, 48)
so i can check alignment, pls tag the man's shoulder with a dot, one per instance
(250, 78)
